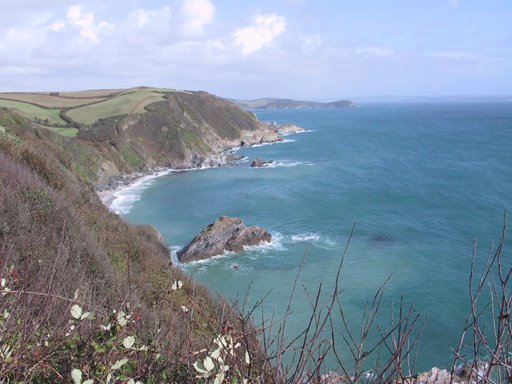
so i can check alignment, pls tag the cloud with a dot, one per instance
(58, 26)
(196, 15)
(263, 31)
(84, 22)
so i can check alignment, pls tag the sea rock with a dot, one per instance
(232, 157)
(225, 234)
(259, 163)
(288, 128)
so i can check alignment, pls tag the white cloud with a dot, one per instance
(142, 17)
(196, 15)
(264, 30)
(57, 26)
(84, 22)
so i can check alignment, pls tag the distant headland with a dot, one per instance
(273, 103)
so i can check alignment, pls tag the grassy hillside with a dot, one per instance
(62, 254)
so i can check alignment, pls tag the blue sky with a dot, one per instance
(308, 49)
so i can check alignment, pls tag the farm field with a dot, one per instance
(51, 101)
(82, 107)
(124, 104)
(33, 112)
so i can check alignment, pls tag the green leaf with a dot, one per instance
(76, 311)
(98, 348)
(90, 381)
(199, 367)
(118, 364)
(76, 375)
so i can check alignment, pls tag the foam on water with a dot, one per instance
(122, 200)
(308, 236)
(276, 244)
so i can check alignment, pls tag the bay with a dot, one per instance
(421, 181)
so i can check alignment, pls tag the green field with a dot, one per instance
(50, 101)
(34, 113)
(67, 132)
(84, 107)
(132, 101)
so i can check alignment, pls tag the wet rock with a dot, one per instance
(259, 163)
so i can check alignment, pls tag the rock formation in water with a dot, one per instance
(259, 163)
(225, 234)
(288, 128)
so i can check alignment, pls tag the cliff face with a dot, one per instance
(187, 130)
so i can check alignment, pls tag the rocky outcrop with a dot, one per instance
(225, 234)
(259, 163)
(286, 129)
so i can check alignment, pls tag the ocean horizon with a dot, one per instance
(419, 181)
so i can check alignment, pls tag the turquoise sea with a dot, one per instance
(421, 181)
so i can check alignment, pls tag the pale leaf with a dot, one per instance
(208, 363)
(216, 353)
(76, 311)
(76, 375)
(128, 342)
(118, 364)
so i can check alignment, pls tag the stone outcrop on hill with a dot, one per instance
(225, 234)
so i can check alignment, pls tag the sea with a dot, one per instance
(415, 186)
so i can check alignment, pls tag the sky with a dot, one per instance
(303, 49)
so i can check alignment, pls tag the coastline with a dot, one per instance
(112, 191)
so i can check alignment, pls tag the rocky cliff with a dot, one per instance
(186, 130)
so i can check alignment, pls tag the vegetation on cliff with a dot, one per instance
(61, 249)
